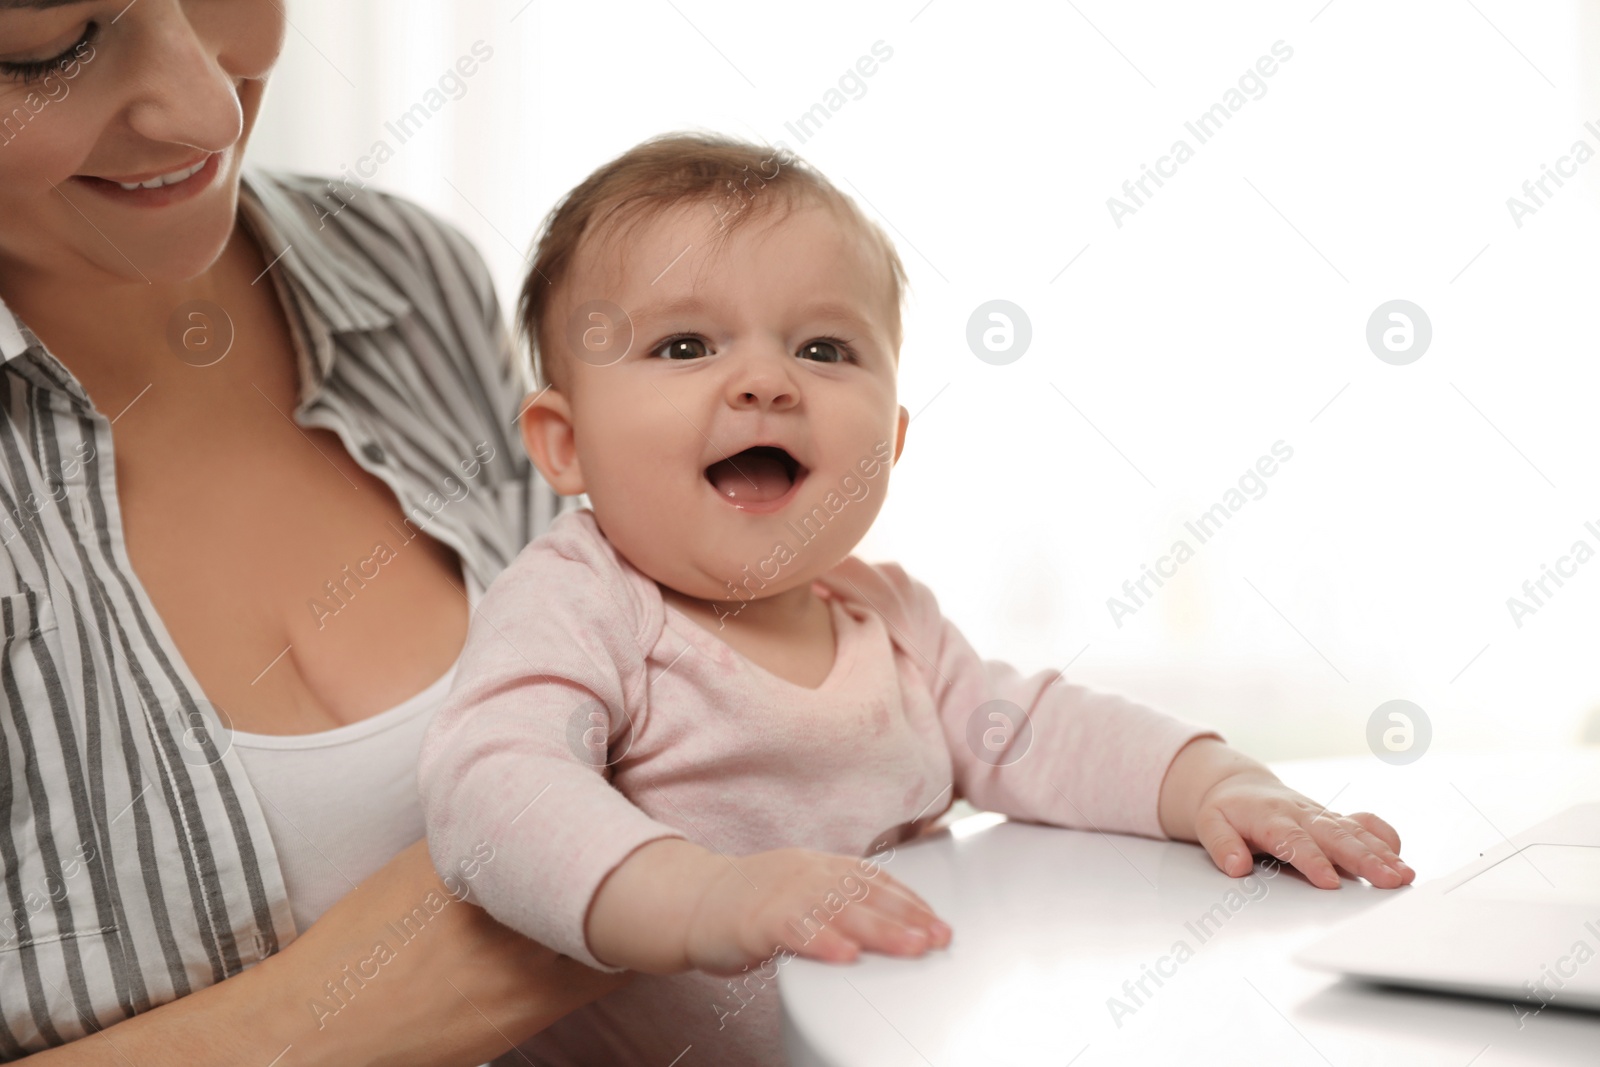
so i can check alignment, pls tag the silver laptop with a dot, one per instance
(1521, 924)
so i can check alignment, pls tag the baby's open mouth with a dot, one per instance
(756, 475)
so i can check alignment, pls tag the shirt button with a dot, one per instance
(373, 451)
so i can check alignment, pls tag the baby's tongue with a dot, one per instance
(751, 477)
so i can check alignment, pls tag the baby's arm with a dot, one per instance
(1096, 761)
(673, 906)
(513, 772)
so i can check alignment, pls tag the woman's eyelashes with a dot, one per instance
(32, 70)
(817, 350)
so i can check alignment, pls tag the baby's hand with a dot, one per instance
(1244, 813)
(1234, 806)
(813, 904)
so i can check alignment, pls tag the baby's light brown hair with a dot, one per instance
(744, 180)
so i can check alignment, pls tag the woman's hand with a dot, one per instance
(1234, 807)
(462, 990)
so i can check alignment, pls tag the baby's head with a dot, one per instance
(716, 333)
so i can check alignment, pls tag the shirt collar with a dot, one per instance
(15, 338)
(345, 292)
(292, 227)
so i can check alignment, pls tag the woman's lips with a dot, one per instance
(161, 196)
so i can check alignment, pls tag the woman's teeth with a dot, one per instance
(165, 179)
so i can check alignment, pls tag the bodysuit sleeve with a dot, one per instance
(514, 771)
(1036, 746)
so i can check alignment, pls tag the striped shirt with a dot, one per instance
(136, 863)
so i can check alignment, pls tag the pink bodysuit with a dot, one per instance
(588, 717)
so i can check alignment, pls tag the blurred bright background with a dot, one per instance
(1226, 314)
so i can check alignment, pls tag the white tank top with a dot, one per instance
(341, 803)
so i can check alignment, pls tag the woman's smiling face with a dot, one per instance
(780, 332)
(96, 94)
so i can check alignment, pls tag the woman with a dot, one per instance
(257, 456)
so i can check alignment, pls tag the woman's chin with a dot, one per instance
(167, 259)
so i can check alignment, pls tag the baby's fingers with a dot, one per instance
(1284, 839)
(1378, 828)
(1288, 842)
(1379, 845)
(878, 930)
(1226, 848)
(1352, 847)
(897, 901)
(829, 944)
(1352, 853)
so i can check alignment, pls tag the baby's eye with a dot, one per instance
(824, 350)
(681, 348)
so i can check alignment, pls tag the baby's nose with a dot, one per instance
(764, 386)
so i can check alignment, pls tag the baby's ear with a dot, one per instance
(547, 434)
(900, 433)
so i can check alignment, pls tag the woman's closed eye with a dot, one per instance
(32, 70)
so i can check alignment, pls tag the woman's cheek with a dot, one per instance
(248, 34)
(46, 131)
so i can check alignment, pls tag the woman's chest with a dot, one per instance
(296, 589)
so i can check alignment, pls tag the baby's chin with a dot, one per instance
(751, 572)
(714, 550)
(742, 584)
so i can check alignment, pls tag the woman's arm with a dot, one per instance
(463, 990)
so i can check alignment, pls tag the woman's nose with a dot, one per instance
(186, 97)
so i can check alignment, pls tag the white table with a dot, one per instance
(1050, 923)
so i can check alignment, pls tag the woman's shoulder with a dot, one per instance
(411, 342)
(425, 258)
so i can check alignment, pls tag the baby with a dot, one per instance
(690, 725)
